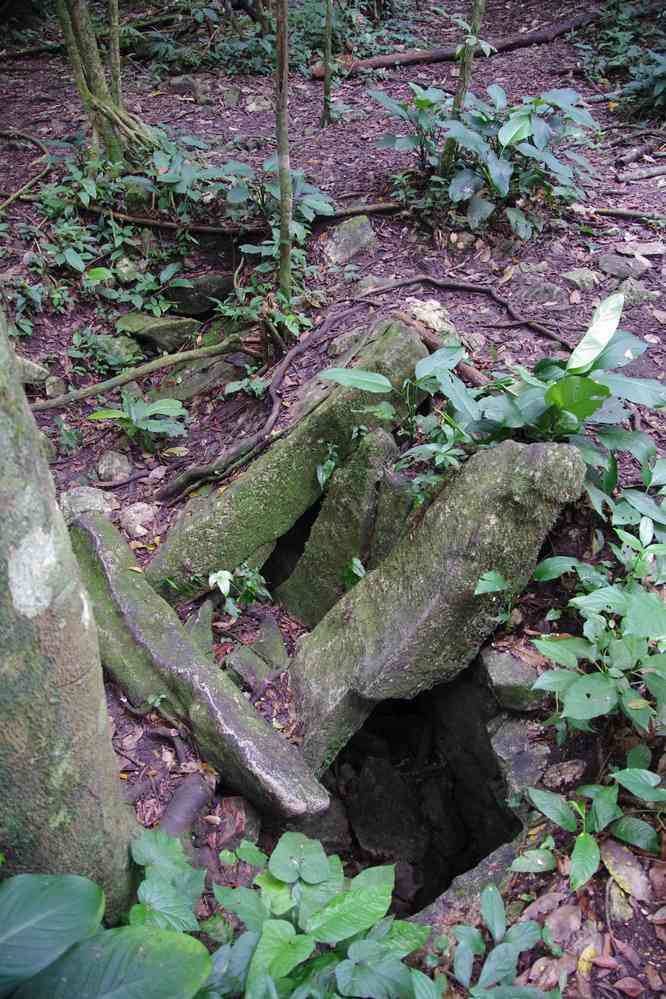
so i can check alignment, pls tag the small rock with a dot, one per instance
(231, 96)
(200, 626)
(134, 518)
(635, 293)
(259, 103)
(522, 760)
(349, 239)
(653, 249)
(582, 278)
(83, 499)
(114, 466)
(432, 314)
(188, 85)
(126, 270)
(564, 774)
(55, 386)
(511, 680)
(166, 333)
(461, 242)
(120, 347)
(535, 290)
(30, 372)
(622, 267)
(196, 300)
(239, 821)
(246, 668)
(269, 644)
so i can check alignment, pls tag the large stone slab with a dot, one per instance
(341, 532)
(150, 654)
(223, 529)
(414, 621)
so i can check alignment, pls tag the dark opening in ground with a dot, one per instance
(289, 549)
(422, 788)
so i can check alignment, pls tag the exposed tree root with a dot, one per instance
(173, 735)
(190, 797)
(33, 180)
(642, 174)
(477, 289)
(167, 361)
(449, 54)
(213, 230)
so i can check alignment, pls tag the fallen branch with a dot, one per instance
(213, 230)
(257, 441)
(33, 180)
(477, 289)
(629, 213)
(449, 54)
(642, 174)
(167, 361)
(635, 154)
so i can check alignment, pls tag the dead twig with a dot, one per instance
(642, 174)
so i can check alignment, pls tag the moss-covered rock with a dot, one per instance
(221, 530)
(150, 654)
(197, 299)
(350, 238)
(415, 621)
(511, 680)
(165, 333)
(341, 532)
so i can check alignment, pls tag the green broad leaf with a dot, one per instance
(555, 680)
(604, 323)
(577, 395)
(238, 194)
(553, 568)
(464, 185)
(645, 505)
(74, 259)
(566, 650)
(491, 582)
(515, 130)
(445, 359)
(399, 936)
(97, 274)
(534, 862)
(125, 963)
(313, 898)
(585, 860)
(231, 963)
(554, 807)
(164, 407)
(642, 783)
(493, 912)
(621, 349)
(463, 962)
(349, 913)
(155, 848)
(637, 709)
(519, 222)
(166, 906)
(658, 477)
(458, 394)
(466, 137)
(541, 131)
(589, 697)
(645, 615)
(500, 172)
(604, 808)
(234, 168)
(375, 877)
(365, 381)
(250, 853)
(372, 971)
(245, 903)
(478, 210)
(639, 757)
(610, 599)
(296, 856)
(393, 106)
(471, 938)
(636, 832)
(635, 442)
(41, 916)
(424, 987)
(279, 951)
(107, 414)
(501, 965)
(276, 895)
(497, 95)
(642, 391)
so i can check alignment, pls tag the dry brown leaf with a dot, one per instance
(655, 980)
(629, 953)
(630, 986)
(625, 868)
(564, 922)
(659, 916)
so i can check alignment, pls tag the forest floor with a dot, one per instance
(345, 161)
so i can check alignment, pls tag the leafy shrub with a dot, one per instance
(97, 352)
(145, 418)
(242, 586)
(505, 153)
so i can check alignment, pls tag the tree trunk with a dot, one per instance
(60, 810)
(120, 131)
(114, 53)
(464, 80)
(284, 164)
(326, 116)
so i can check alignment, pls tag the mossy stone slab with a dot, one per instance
(150, 654)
